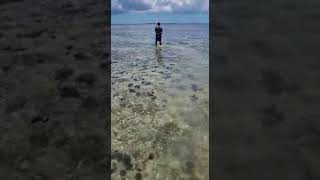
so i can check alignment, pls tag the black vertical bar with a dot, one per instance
(264, 90)
(54, 89)
(211, 92)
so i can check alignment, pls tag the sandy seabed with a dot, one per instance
(159, 112)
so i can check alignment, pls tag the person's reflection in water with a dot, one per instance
(158, 55)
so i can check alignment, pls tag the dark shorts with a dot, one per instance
(158, 38)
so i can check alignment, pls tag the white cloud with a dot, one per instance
(175, 6)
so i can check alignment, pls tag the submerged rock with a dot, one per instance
(194, 98)
(138, 108)
(170, 126)
(194, 87)
(189, 165)
(137, 86)
(114, 166)
(146, 83)
(123, 173)
(138, 176)
(150, 93)
(124, 158)
(168, 76)
(151, 156)
(120, 80)
(191, 76)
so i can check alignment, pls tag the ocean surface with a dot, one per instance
(160, 102)
(142, 18)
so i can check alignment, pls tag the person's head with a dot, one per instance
(158, 23)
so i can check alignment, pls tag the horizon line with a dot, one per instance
(155, 23)
(162, 12)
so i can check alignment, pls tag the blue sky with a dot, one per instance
(165, 11)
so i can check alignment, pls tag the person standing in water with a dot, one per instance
(158, 31)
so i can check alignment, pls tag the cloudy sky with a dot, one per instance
(160, 6)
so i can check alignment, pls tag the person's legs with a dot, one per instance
(158, 38)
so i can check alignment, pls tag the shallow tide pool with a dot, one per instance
(160, 102)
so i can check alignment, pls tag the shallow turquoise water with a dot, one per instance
(160, 101)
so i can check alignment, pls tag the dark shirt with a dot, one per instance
(158, 31)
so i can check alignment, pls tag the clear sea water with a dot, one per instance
(160, 101)
(139, 18)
